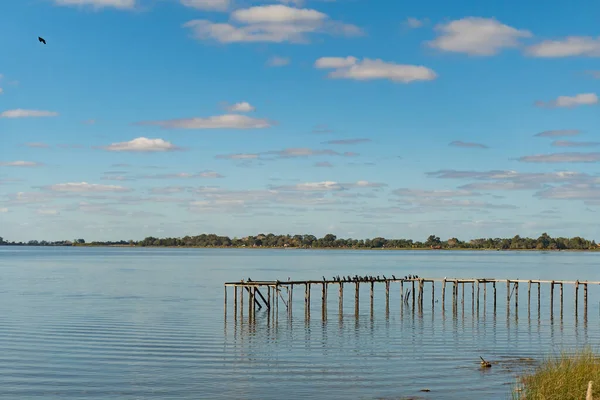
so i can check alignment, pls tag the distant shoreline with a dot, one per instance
(86, 245)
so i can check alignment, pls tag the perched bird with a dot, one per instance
(394, 277)
(485, 364)
(41, 40)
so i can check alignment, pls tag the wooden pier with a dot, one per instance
(268, 294)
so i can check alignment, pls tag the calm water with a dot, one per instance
(149, 324)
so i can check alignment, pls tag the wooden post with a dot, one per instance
(539, 295)
(235, 301)
(225, 300)
(494, 297)
(372, 295)
(529, 297)
(269, 297)
(356, 296)
(341, 298)
(413, 294)
(251, 304)
(561, 300)
(585, 302)
(443, 294)
(324, 301)
(421, 287)
(508, 292)
(484, 293)
(551, 299)
(576, 297)
(516, 295)
(432, 295)
(387, 297)
(241, 302)
(401, 292)
(473, 297)
(277, 291)
(463, 295)
(477, 280)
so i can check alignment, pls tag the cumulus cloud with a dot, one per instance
(277, 61)
(477, 36)
(244, 106)
(168, 190)
(20, 164)
(369, 69)
(560, 132)
(142, 145)
(228, 121)
(21, 113)
(562, 158)
(347, 141)
(581, 99)
(568, 143)
(207, 5)
(84, 187)
(275, 23)
(98, 4)
(571, 46)
(458, 143)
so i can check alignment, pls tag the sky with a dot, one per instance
(359, 118)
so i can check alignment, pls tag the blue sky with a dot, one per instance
(360, 118)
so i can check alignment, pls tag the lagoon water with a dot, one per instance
(127, 323)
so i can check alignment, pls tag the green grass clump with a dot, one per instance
(563, 377)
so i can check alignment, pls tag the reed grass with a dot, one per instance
(562, 377)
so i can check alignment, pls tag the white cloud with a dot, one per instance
(244, 106)
(1, 90)
(270, 23)
(581, 99)
(560, 132)
(84, 187)
(98, 4)
(204, 174)
(20, 164)
(47, 211)
(249, 156)
(581, 191)
(335, 62)
(594, 74)
(37, 145)
(567, 47)
(142, 144)
(568, 143)
(3, 210)
(277, 61)
(404, 192)
(414, 23)
(477, 36)
(228, 121)
(458, 143)
(20, 113)
(207, 5)
(368, 69)
(562, 158)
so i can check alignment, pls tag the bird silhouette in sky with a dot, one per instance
(41, 39)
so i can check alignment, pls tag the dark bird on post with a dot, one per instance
(41, 40)
(394, 277)
(324, 279)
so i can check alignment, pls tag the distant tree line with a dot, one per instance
(330, 241)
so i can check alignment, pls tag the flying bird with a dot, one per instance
(41, 39)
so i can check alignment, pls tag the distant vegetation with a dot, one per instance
(330, 241)
(565, 377)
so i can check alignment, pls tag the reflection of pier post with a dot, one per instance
(444, 295)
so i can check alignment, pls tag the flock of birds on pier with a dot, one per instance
(368, 278)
